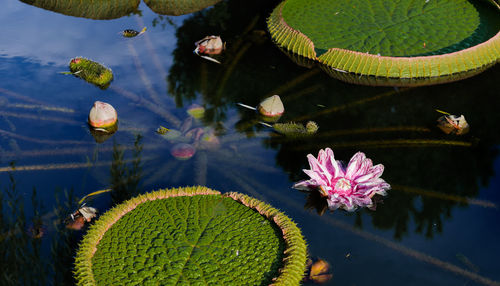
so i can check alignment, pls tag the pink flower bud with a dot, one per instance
(102, 115)
(272, 106)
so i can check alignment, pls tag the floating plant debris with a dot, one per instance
(293, 129)
(319, 271)
(210, 45)
(129, 33)
(344, 187)
(452, 124)
(81, 216)
(162, 130)
(92, 72)
(271, 107)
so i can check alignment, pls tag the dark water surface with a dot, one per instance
(437, 226)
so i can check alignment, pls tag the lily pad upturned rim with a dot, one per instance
(347, 61)
(295, 253)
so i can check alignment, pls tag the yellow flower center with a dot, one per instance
(343, 186)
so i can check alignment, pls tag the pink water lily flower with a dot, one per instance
(347, 188)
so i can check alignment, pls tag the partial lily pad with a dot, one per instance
(192, 236)
(402, 39)
(178, 7)
(96, 9)
(112, 9)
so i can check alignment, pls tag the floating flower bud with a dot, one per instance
(271, 107)
(81, 216)
(347, 188)
(102, 115)
(210, 45)
(88, 213)
(129, 33)
(196, 111)
(103, 121)
(183, 151)
(452, 124)
(91, 71)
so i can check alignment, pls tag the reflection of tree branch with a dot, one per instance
(41, 141)
(66, 151)
(443, 196)
(149, 105)
(152, 51)
(125, 180)
(350, 104)
(38, 117)
(19, 252)
(396, 143)
(144, 78)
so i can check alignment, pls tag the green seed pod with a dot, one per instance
(92, 72)
(311, 127)
(293, 129)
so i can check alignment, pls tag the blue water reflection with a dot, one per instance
(436, 227)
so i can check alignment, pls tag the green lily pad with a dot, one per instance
(112, 9)
(402, 39)
(192, 236)
(178, 7)
(95, 9)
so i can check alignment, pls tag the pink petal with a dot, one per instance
(305, 185)
(316, 176)
(332, 165)
(333, 204)
(313, 163)
(373, 173)
(354, 165)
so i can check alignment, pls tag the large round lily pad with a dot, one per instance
(192, 236)
(401, 39)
